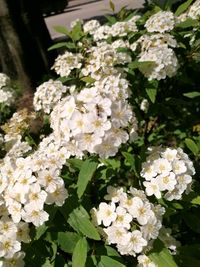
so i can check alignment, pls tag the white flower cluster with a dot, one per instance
(194, 10)
(47, 95)
(17, 125)
(26, 184)
(67, 62)
(169, 171)
(162, 21)
(91, 26)
(130, 221)
(157, 49)
(4, 80)
(96, 120)
(6, 93)
(102, 59)
(118, 29)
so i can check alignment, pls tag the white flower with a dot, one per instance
(148, 171)
(15, 209)
(34, 215)
(36, 195)
(50, 180)
(152, 188)
(137, 242)
(123, 218)
(179, 167)
(106, 214)
(8, 227)
(144, 261)
(8, 247)
(117, 235)
(58, 196)
(143, 213)
(23, 232)
(15, 261)
(114, 194)
(166, 182)
(162, 166)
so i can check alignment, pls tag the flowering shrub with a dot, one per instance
(104, 171)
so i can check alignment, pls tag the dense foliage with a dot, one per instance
(104, 171)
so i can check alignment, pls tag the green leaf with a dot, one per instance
(58, 45)
(131, 160)
(88, 79)
(106, 261)
(67, 241)
(192, 146)
(111, 19)
(47, 264)
(151, 92)
(76, 163)
(140, 64)
(85, 175)
(188, 23)
(79, 221)
(192, 94)
(196, 200)
(183, 7)
(161, 255)
(113, 163)
(80, 253)
(112, 6)
(62, 30)
(40, 231)
(76, 32)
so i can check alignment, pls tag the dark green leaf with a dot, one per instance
(80, 253)
(193, 221)
(188, 23)
(85, 175)
(67, 241)
(58, 45)
(79, 221)
(183, 7)
(131, 160)
(106, 261)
